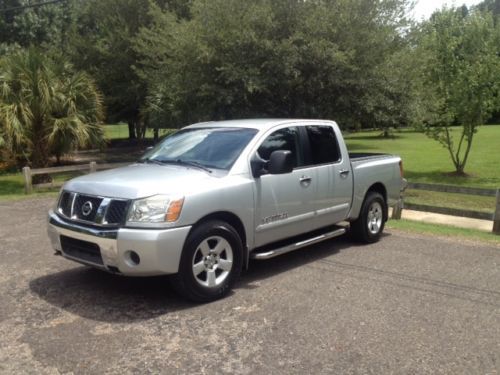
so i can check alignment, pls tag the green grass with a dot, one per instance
(120, 131)
(12, 186)
(425, 160)
(451, 200)
(444, 231)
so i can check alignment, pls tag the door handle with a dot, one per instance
(305, 179)
(344, 172)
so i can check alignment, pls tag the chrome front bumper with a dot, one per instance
(159, 250)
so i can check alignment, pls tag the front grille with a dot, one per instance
(83, 250)
(85, 207)
(92, 209)
(116, 212)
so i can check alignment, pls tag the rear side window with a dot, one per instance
(324, 145)
(282, 139)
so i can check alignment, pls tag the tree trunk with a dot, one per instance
(155, 134)
(40, 152)
(131, 130)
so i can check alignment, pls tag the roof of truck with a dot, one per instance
(252, 123)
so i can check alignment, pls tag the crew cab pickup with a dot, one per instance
(213, 195)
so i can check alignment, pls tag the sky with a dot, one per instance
(424, 8)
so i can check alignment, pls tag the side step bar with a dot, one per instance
(298, 245)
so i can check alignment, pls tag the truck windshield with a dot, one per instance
(205, 147)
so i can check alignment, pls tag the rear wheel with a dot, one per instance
(371, 221)
(211, 262)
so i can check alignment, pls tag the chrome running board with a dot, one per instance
(298, 245)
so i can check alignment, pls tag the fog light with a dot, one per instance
(132, 258)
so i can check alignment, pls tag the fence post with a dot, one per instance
(496, 215)
(398, 208)
(92, 167)
(28, 180)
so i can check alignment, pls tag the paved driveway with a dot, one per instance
(409, 304)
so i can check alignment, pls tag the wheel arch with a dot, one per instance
(234, 221)
(380, 188)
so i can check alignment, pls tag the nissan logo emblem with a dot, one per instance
(87, 208)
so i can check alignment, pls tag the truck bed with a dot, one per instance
(363, 156)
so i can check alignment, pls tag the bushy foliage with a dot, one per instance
(46, 108)
(328, 59)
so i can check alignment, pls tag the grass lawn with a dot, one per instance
(425, 160)
(443, 230)
(12, 186)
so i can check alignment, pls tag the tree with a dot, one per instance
(460, 76)
(489, 6)
(101, 43)
(46, 108)
(23, 23)
(233, 58)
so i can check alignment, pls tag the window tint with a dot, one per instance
(283, 139)
(324, 146)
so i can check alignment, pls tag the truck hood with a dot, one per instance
(143, 180)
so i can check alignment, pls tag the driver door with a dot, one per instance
(284, 203)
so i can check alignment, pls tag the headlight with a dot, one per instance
(55, 206)
(155, 209)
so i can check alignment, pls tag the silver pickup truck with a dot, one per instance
(213, 195)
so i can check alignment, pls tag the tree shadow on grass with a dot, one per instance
(375, 137)
(438, 177)
(358, 147)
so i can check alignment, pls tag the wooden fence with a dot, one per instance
(28, 173)
(493, 216)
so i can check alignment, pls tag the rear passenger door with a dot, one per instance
(333, 197)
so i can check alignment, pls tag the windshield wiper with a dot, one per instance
(177, 161)
(152, 161)
(193, 164)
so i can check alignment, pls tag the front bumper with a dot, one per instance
(159, 250)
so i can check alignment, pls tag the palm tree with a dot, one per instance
(46, 108)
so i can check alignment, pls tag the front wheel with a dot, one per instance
(210, 263)
(368, 227)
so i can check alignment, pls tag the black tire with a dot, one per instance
(211, 262)
(368, 227)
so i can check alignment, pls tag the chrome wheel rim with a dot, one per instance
(212, 261)
(375, 217)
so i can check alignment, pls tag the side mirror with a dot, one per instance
(258, 166)
(280, 162)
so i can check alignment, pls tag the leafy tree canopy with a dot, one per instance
(230, 58)
(460, 73)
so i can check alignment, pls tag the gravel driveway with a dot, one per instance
(408, 304)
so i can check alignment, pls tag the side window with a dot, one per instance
(282, 139)
(324, 145)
